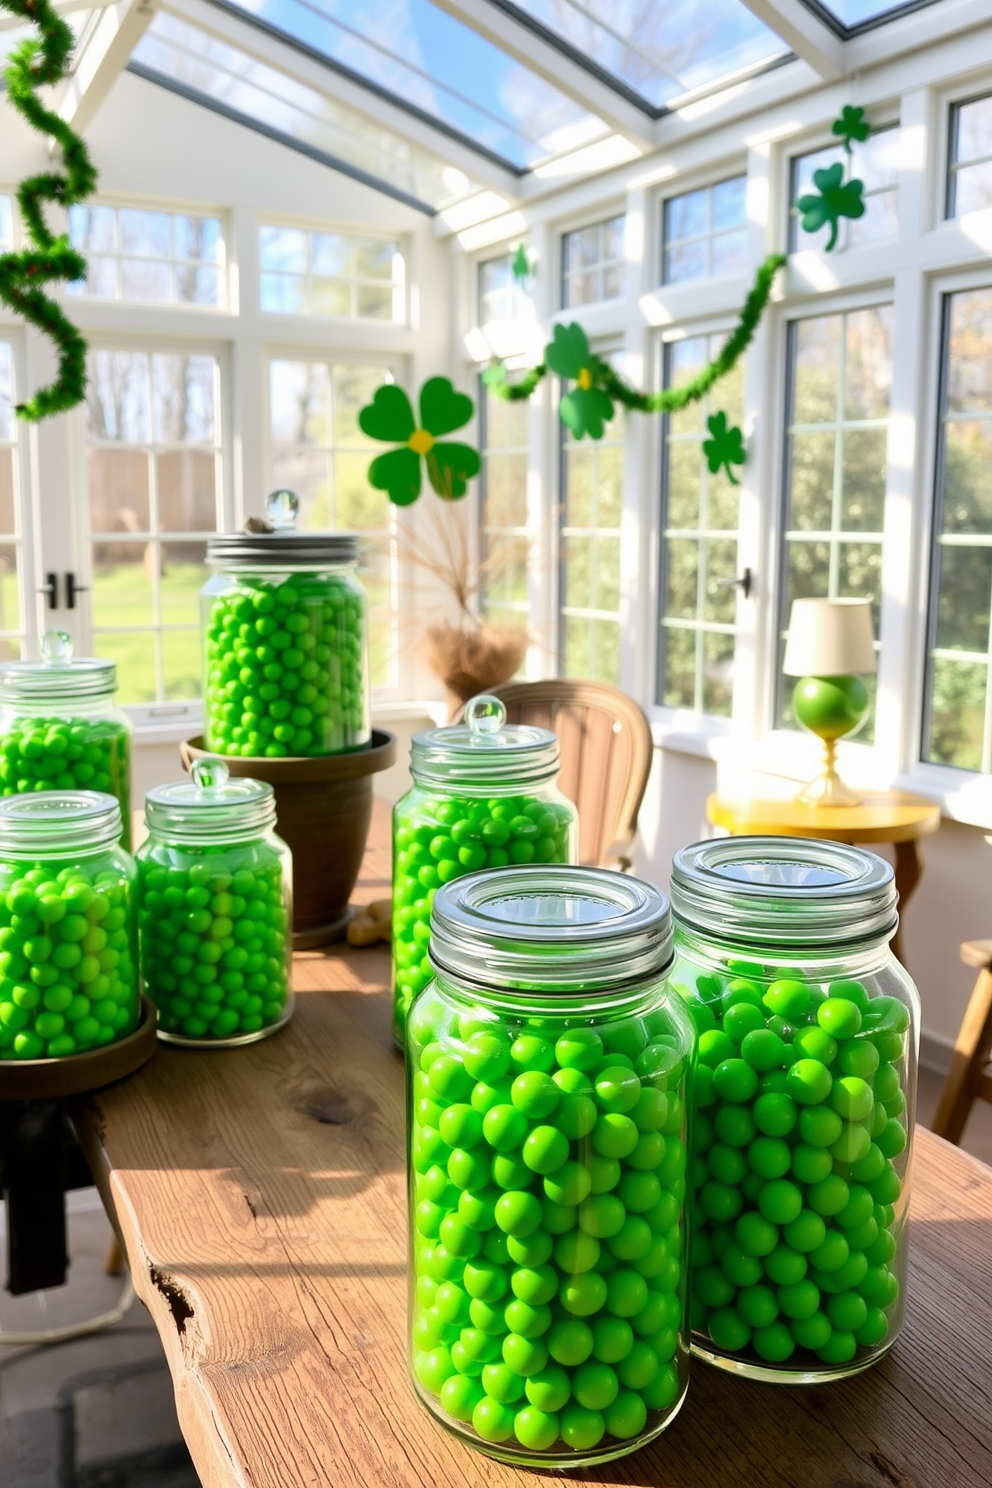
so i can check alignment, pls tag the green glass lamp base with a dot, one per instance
(832, 708)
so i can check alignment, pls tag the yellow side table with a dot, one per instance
(880, 816)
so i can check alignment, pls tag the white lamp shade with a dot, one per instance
(830, 638)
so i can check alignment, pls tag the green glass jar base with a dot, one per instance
(236, 1041)
(816, 1373)
(557, 1457)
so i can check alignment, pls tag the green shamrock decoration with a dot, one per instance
(833, 199)
(450, 465)
(586, 408)
(852, 127)
(725, 447)
(520, 264)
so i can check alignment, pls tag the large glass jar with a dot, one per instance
(214, 886)
(60, 728)
(804, 1104)
(68, 941)
(483, 796)
(286, 670)
(547, 1066)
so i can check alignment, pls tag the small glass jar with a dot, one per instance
(60, 728)
(285, 622)
(804, 1104)
(68, 926)
(546, 1076)
(215, 915)
(483, 796)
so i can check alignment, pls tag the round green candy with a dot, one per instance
(534, 1093)
(852, 1098)
(535, 1428)
(839, 1348)
(518, 1213)
(755, 1235)
(504, 1127)
(582, 1295)
(774, 1343)
(545, 1150)
(780, 1201)
(787, 998)
(785, 1266)
(812, 1332)
(617, 1089)
(525, 1356)
(775, 1115)
(801, 1300)
(613, 1338)
(459, 1395)
(602, 1216)
(595, 1385)
(758, 1306)
(728, 1330)
(805, 1232)
(570, 1341)
(810, 1164)
(581, 1429)
(493, 1420)
(627, 1416)
(809, 1082)
(838, 1017)
(502, 1383)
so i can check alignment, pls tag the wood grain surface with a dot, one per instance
(260, 1196)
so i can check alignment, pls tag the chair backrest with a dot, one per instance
(606, 752)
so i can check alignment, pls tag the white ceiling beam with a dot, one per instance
(809, 37)
(105, 51)
(557, 68)
(302, 67)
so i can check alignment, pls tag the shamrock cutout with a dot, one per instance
(586, 408)
(450, 465)
(520, 265)
(852, 127)
(724, 448)
(833, 199)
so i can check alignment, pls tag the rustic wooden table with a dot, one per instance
(260, 1197)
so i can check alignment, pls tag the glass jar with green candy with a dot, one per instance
(285, 620)
(215, 917)
(60, 728)
(804, 1104)
(484, 795)
(547, 1067)
(68, 926)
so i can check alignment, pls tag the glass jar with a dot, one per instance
(805, 1097)
(285, 620)
(60, 728)
(215, 910)
(68, 931)
(483, 796)
(546, 1076)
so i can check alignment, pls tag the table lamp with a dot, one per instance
(830, 641)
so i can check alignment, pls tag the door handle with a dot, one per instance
(50, 589)
(72, 589)
(744, 582)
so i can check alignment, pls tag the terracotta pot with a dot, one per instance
(323, 811)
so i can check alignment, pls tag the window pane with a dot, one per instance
(7, 518)
(729, 254)
(863, 479)
(10, 596)
(332, 254)
(182, 575)
(117, 486)
(713, 219)
(324, 273)
(117, 396)
(585, 252)
(136, 657)
(146, 233)
(122, 584)
(196, 285)
(143, 280)
(6, 392)
(156, 257)
(683, 579)
(375, 260)
(969, 374)
(875, 162)
(817, 369)
(181, 663)
(973, 188)
(718, 673)
(197, 238)
(283, 248)
(686, 261)
(183, 399)
(187, 491)
(330, 297)
(729, 203)
(965, 585)
(283, 294)
(974, 129)
(967, 488)
(868, 366)
(375, 303)
(592, 477)
(687, 216)
(680, 669)
(812, 482)
(957, 713)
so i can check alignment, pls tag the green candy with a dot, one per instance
(68, 753)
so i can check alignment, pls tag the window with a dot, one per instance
(501, 295)
(705, 232)
(969, 175)
(162, 258)
(319, 452)
(589, 554)
(840, 373)
(325, 273)
(876, 163)
(153, 469)
(699, 543)
(958, 714)
(592, 263)
(6, 225)
(11, 615)
(503, 529)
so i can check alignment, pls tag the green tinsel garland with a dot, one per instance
(36, 63)
(669, 400)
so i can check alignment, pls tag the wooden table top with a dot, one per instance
(881, 816)
(260, 1195)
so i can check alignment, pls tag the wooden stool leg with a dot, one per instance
(114, 1264)
(909, 871)
(971, 1054)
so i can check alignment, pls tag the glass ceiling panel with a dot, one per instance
(852, 13)
(178, 53)
(427, 59)
(658, 51)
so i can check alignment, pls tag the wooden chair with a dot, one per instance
(970, 1077)
(606, 752)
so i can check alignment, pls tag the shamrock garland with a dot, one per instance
(450, 465)
(520, 264)
(725, 446)
(587, 407)
(35, 63)
(834, 197)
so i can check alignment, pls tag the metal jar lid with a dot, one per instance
(485, 750)
(281, 546)
(58, 675)
(783, 892)
(43, 824)
(212, 806)
(554, 929)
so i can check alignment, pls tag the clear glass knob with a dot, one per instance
(282, 509)
(56, 645)
(209, 773)
(485, 714)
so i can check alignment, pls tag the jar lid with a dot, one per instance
(58, 674)
(558, 929)
(275, 543)
(42, 824)
(784, 891)
(212, 806)
(485, 749)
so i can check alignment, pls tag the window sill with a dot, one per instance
(148, 732)
(688, 733)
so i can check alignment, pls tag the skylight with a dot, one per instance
(431, 63)
(856, 15)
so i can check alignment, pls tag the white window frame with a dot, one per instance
(173, 209)
(355, 233)
(689, 188)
